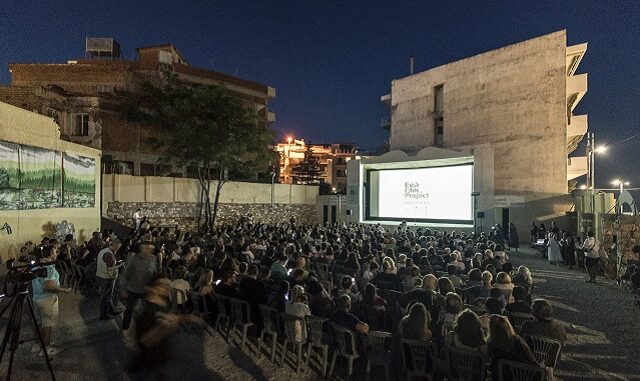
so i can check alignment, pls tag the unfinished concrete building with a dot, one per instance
(517, 101)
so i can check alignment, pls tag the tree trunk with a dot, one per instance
(216, 199)
(205, 198)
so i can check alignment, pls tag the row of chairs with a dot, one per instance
(72, 275)
(307, 338)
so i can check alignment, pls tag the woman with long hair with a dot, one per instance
(505, 344)
(467, 333)
(371, 297)
(415, 325)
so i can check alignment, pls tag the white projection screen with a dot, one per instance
(430, 195)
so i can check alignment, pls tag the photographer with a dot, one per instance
(45, 299)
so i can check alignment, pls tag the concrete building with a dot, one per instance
(332, 159)
(517, 101)
(81, 96)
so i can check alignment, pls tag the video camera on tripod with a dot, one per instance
(20, 277)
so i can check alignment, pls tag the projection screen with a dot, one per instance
(434, 194)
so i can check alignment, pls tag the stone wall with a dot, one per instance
(185, 214)
(629, 230)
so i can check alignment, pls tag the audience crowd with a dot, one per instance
(455, 290)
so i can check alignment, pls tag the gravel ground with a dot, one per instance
(601, 320)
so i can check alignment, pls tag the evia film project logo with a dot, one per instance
(412, 191)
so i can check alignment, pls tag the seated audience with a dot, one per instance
(505, 344)
(343, 316)
(415, 326)
(544, 324)
(467, 333)
(520, 304)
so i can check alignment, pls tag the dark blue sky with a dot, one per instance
(330, 61)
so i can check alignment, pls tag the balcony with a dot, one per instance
(578, 126)
(576, 167)
(574, 56)
(576, 131)
(576, 89)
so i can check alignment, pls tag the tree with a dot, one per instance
(308, 171)
(203, 127)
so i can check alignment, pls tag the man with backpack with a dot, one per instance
(591, 247)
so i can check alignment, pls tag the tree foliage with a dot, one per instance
(202, 126)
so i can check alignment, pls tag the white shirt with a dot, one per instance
(591, 248)
(137, 216)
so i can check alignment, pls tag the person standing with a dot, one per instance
(553, 249)
(106, 274)
(569, 252)
(591, 248)
(514, 238)
(139, 270)
(137, 219)
(45, 299)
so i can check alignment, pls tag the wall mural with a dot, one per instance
(79, 181)
(39, 178)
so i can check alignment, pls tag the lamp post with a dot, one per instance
(621, 184)
(591, 182)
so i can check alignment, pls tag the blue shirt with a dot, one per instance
(38, 284)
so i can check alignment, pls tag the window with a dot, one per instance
(438, 121)
(81, 125)
(104, 89)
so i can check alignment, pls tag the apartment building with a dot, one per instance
(332, 160)
(81, 95)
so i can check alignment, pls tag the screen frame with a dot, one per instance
(367, 198)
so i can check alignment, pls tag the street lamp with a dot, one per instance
(620, 183)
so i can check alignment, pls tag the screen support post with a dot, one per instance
(475, 211)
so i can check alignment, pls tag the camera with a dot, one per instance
(27, 272)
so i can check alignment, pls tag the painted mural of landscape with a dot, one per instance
(9, 176)
(40, 178)
(79, 181)
(32, 178)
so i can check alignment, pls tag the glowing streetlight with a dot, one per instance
(620, 183)
(289, 139)
(601, 149)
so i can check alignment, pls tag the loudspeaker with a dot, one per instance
(349, 212)
(480, 215)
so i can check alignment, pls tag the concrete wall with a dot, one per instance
(185, 214)
(25, 127)
(126, 188)
(512, 99)
(172, 201)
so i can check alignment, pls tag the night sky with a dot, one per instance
(330, 61)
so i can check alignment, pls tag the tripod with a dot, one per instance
(12, 333)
